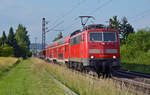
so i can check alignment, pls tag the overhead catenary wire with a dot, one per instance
(133, 19)
(63, 16)
(55, 26)
(66, 28)
(99, 7)
(140, 15)
(94, 11)
(69, 12)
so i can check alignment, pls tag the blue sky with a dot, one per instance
(30, 13)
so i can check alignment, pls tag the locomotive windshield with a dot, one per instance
(109, 36)
(102, 36)
(95, 36)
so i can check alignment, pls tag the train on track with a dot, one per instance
(94, 48)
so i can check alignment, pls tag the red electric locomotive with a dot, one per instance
(94, 48)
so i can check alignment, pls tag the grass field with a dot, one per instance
(6, 63)
(33, 77)
(85, 85)
(141, 63)
(144, 68)
(28, 78)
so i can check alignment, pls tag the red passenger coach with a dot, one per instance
(94, 48)
(59, 51)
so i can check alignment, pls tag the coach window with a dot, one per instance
(75, 40)
(78, 39)
(71, 41)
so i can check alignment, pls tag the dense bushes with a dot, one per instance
(137, 48)
(6, 51)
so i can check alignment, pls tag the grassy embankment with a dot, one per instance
(135, 60)
(84, 85)
(28, 78)
(6, 63)
(138, 64)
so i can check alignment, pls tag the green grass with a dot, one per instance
(6, 63)
(83, 85)
(139, 63)
(144, 68)
(32, 77)
(135, 60)
(28, 78)
(8, 60)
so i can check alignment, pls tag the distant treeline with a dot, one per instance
(16, 43)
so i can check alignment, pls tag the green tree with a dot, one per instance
(114, 23)
(11, 38)
(3, 39)
(136, 48)
(125, 29)
(122, 26)
(23, 41)
(59, 36)
(0, 41)
(12, 41)
(6, 51)
(140, 41)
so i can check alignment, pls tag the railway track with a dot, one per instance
(136, 81)
(140, 81)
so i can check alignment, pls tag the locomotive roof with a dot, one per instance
(60, 41)
(88, 27)
(95, 26)
(76, 32)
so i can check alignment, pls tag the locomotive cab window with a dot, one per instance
(102, 36)
(109, 36)
(95, 36)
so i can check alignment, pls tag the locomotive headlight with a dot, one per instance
(103, 43)
(92, 57)
(114, 57)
